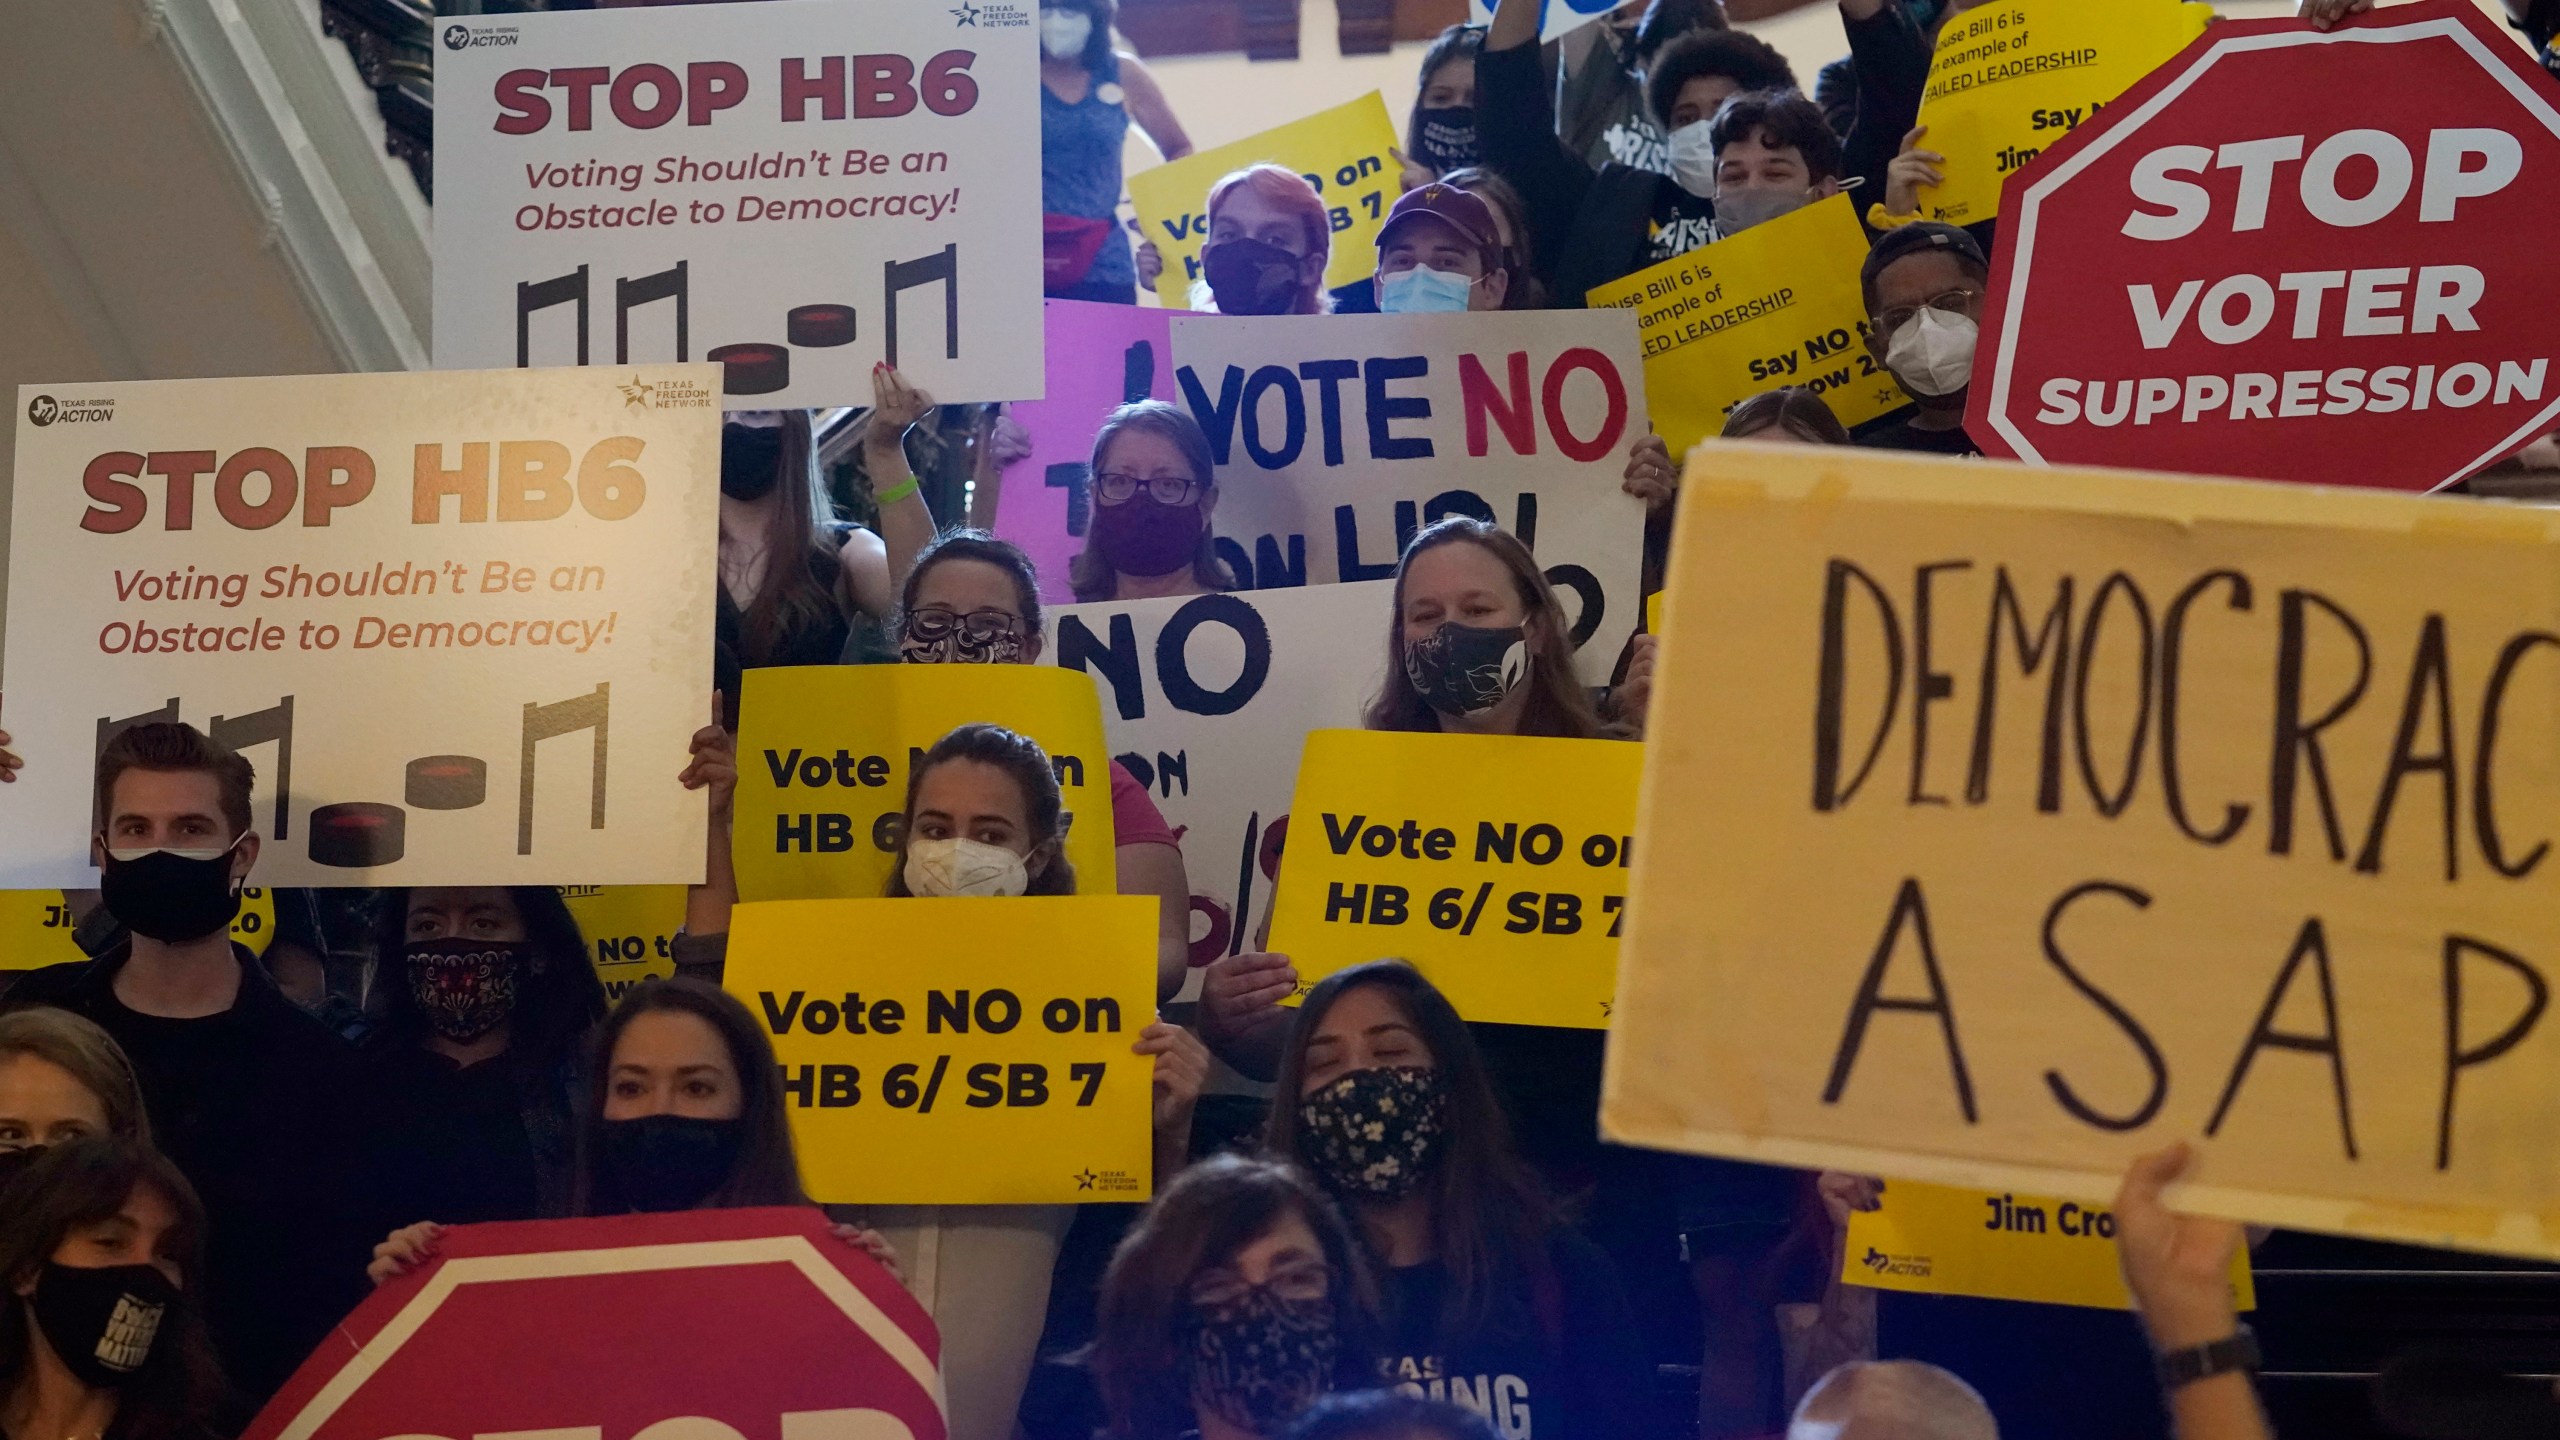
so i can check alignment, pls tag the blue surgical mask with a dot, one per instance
(1423, 291)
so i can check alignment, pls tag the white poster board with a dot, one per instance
(1338, 436)
(460, 623)
(1207, 701)
(824, 182)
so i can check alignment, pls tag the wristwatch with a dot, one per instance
(2236, 1351)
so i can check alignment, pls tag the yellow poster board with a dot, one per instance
(959, 1052)
(36, 925)
(630, 930)
(1774, 306)
(1496, 864)
(822, 767)
(2012, 77)
(1934, 1240)
(2001, 824)
(1341, 151)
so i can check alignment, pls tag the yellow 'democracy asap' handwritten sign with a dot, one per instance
(824, 752)
(36, 925)
(2011, 77)
(1934, 1240)
(1496, 864)
(2003, 823)
(1343, 152)
(959, 1052)
(630, 930)
(1775, 305)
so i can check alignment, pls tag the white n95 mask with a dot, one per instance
(957, 867)
(1932, 354)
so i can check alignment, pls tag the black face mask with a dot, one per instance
(670, 1162)
(1248, 277)
(1445, 139)
(170, 897)
(1376, 1134)
(1467, 669)
(750, 460)
(465, 988)
(101, 1322)
(1259, 1360)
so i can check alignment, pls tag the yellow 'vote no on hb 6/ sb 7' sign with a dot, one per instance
(958, 1052)
(1495, 863)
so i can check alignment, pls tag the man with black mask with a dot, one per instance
(245, 1091)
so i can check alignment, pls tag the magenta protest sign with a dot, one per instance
(1100, 358)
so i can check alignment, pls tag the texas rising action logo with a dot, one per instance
(47, 410)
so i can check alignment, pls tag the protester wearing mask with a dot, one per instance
(1440, 252)
(1089, 92)
(1591, 225)
(1774, 155)
(100, 1334)
(793, 578)
(247, 1094)
(63, 1079)
(1238, 1299)
(1924, 286)
(1269, 242)
(1511, 228)
(488, 1000)
(1385, 1100)
(1155, 494)
(1440, 136)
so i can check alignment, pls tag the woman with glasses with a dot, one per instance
(1154, 493)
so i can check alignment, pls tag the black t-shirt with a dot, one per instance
(1680, 223)
(1559, 1362)
(447, 1142)
(1896, 432)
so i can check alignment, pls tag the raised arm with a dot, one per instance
(1146, 104)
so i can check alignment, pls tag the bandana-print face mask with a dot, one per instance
(465, 988)
(935, 636)
(1467, 669)
(1261, 1357)
(1376, 1134)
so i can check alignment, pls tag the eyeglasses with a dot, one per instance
(1116, 487)
(1963, 300)
(936, 621)
(1222, 1287)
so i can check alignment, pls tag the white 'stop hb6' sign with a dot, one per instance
(2248, 266)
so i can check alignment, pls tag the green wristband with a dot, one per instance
(896, 493)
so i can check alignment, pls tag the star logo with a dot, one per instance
(636, 394)
(1085, 1179)
(967, 14)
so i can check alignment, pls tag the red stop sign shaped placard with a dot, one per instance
(711, 1325)
(2289, 255)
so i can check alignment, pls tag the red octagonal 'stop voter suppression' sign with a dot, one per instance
(712, 1325)
(2289, 255)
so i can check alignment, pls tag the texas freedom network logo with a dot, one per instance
(463, 37)
(994, 15)
(642, 394)
(1107, 1182)
(46, 410)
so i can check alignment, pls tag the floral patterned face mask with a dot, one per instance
(1376, 1134)
(1261, 1357)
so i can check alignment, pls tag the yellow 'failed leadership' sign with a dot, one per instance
(959, 1052)
(824, 753)
(2000, 824)
(1934, 1240)
(1497, 864)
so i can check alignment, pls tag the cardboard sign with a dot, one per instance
(1101, 357)
(1776, 305)
(1934, 1240)
(36, 926)
(800, 191)
(824, 758)
(2011, 77)
(1341, 151)
(771, 1325)
(2002, 824)
(630, 931)
(1496, 864)
(1207, 701)
(460, 623)
(2247, 267)
(1337, 437)
(959, 1052)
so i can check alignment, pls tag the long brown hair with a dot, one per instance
(767, 1170)
(790, 597)
(1490, 1219)
(1027, 765)
(78, 1048)
(1791, 408)
(1557, 706)
(1091, 576)
(80, 1182)
(1208, 1213)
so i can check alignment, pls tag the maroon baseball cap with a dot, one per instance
(1451, 206)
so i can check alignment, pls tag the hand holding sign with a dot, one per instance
(2177, 1266)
